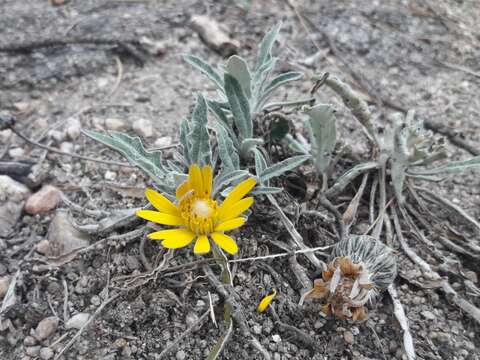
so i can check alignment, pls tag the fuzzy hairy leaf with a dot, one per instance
(226, 149)
(239, 106)
(184, 131)
(260, 161)
(259, 78)
(281, 167)
(206, 69)
(263, 190)
(323, 134)
(131, 147)
(276, 82)
(226, 178)
(223, 120)
(238, 68)
(264, 53)
(452, 166)
(199, 151)
(248, 145)
(350, 175)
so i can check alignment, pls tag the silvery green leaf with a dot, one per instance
(452, 166)
(200, 152)
(131, 147)
(223, 120)
(238, 68)
(276, 82)
(239, 106)
(281, 167)
(350, 175)
(179, 178)
(248, 145)
(260, 77)
(184, 131)
(296, 145)
(225, 178)
(173, 166)
(260, 161)
(206, 69)
(397, 174)
(226, 149)
(323, 134)
(264, 53)
(261, 190)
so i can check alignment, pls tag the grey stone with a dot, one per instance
(143, 127)
(180, 355)
(29, 341)
(32, 351)
(63, 236)
(46, 353)
(4, 282)
(77, 321)
(46, 328)
(12, 199)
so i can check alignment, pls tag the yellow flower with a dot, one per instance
(266, 301)
(197, 214)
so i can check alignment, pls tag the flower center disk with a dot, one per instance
(199, 214)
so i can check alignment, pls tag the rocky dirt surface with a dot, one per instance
(116, 65)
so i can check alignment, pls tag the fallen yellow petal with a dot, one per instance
(266, 301)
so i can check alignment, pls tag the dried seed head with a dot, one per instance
(359, 269)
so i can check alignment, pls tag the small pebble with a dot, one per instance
(56, 135)
(276, 338)
(46, 353)
(77, 321)
(32, 351)
(428, 315)
(46, 328)
(42, 247)
(73, 130)
(180, 355)
(16, 153)
(348, 336)
(44, 200)
(115, 124)
(66, 147)
(110, 175)
(143, 127)
(257, 329)
(29, 341)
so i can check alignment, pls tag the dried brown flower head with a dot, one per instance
(360, 268)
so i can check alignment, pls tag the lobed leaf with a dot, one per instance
(226, 149)
(239, 106)
(264, 53)
(131, 147)
(238, 68)
(206, 69)
(199, 152)
(281, 167)
(226, 178)
(323, 134)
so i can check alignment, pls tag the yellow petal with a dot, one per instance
(180, 235)
(160, 218)
(179, 240)
(225, 242)
(161, 203)
(266, 301)
(182, 189)
(230, 224)
(195, 179)
(237, 193)
(207, 178)
(202, 245)
(236, 209)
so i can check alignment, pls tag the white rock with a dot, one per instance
(5, 135)
(43, 247)
(115, 124)
(276, 338)
(66, 147)
(63, 236)
(56, 135)
(16, 152)
(163, 141)
(12, 199)
(46, 353)
(110, 175)
(77, 321)
(73, 128)
(46, 328)
(143, 127)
